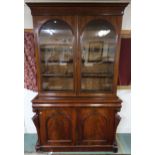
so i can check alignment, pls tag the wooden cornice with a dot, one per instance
(43, 9)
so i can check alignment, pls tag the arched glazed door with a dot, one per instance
(56, 46)
(98, 40)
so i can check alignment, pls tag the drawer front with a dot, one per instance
(57, 126)
(95, 126)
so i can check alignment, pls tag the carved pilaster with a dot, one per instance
(35, 119)
(117, 120)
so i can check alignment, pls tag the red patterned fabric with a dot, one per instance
(30, 80)
(124, 78)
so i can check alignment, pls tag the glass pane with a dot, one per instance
(56, 51)
(98, 43)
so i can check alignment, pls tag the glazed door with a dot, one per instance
(57, 38)
(97, 57)
(57, 126)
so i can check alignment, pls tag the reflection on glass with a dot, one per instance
(98, 42)
(56, 50)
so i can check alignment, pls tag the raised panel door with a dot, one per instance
(95, 126)
(57, 126)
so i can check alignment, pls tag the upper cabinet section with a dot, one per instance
(56, 53)
(77, 47)
(98, 48)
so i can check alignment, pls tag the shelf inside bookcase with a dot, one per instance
(56, 62)
(68, 75)
(97, 75)
(97, 62)
(58, 82)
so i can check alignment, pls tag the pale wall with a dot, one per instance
(124, 94)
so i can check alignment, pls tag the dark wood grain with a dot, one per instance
(58, 126)
(76, 120)
(77, 8)
(94, 126)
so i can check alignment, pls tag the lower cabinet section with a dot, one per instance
(76, 129)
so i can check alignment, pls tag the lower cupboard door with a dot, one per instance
(57, 126)
(95, 126)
